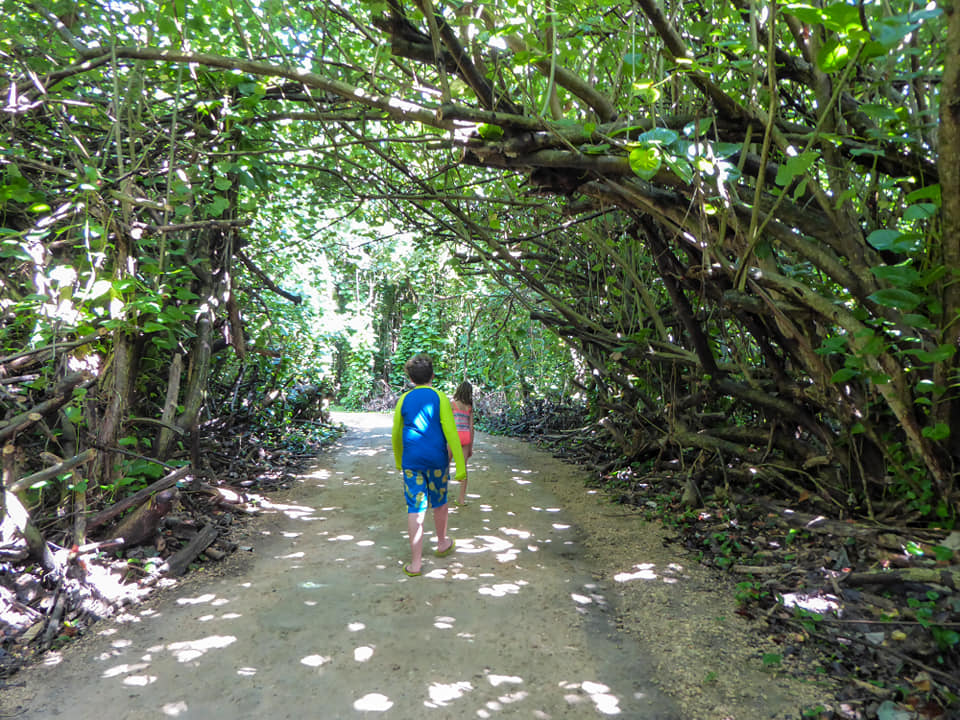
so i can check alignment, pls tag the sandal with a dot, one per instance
(444, 553)
(410, 573)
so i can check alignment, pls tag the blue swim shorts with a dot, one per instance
(420, 486)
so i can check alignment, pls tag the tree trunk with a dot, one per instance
(949, 152)
(165, 436)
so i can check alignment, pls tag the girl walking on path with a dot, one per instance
(462, 404)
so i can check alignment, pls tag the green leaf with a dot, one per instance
(490, 132)
(920, 211)
(843, 374)
(73, 413)
(725, 149)
(937, 432)
(832, 345)
(222, 183)
(80, 486)
(891, 31)
(795, 166)
(833, 55)
(524, 57)
(941, 354)
(875, 152)
(659, 136)
(927, 386)
(932, 275)
(645, 162)
(883, 239)
(12, 249)
(218, 205)
(897, 298)
(930, 192)
(625, 130)
(942, 554)
(872, 49)
(921, 322)
(902, 276)
(680, 167)
(770, 659)
(647, 92)
(878, 113)
(804, 13)
(167, 26)
(698, 128)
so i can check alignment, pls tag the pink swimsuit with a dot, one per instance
(462, 420)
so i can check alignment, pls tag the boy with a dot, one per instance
(423, 428)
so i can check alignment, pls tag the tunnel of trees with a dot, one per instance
(729, 232)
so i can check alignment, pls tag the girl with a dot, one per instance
(462, 405)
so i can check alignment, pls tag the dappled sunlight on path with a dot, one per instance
(325, 624)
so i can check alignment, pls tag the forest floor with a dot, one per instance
(556, 603)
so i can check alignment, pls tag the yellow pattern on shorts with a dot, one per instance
(425, 488)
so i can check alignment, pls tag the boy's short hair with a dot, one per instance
(420, 368)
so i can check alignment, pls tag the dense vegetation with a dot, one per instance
(730, 232)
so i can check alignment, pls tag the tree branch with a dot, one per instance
(295, 299)
(391, 106)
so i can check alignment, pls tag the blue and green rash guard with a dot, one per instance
(423, 428)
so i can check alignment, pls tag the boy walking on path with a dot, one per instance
(423, 428)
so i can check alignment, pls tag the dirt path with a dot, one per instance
(554, 605)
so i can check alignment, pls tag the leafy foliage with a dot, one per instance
(711, 212)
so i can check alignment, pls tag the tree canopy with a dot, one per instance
(728, 229)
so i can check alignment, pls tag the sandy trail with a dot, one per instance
(324, 624)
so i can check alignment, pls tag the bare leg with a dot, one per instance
(467, 452)
(440, 520)
(415, 529)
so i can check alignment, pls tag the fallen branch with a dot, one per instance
(62, 467)
(141, 525)
(137, 498)
(59, 397)
(178, 563)
(56, 346)
(822, 524)
(784, 569)
(945, 677)
(946, 576)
